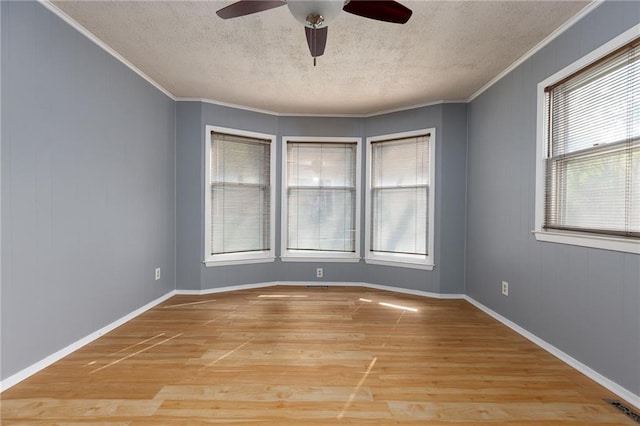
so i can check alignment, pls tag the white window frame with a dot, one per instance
(567, 237)
(318, 256)
(397, 259)
(241, 257)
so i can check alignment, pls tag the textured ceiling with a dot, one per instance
(447, 51)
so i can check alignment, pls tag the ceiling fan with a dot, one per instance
(316, 15)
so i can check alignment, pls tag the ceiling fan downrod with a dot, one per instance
(316, 15)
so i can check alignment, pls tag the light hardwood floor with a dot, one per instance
(297, 355)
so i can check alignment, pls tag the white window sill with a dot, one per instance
(593, 241)
(238, 260)
(401, 263)
(292, 256)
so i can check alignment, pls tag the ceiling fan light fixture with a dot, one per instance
(315, 13)
(315, 21)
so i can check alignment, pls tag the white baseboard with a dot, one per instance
(323, 284)
(406, 291)
(225, 289)
(33, 369)
(622, 392)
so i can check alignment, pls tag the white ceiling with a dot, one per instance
(447, 51)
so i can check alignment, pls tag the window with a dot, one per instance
(320, 201)
(589, 161)
(400, 199)
(239, 210)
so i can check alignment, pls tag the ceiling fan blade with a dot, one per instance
(380, 10)
(317, 40)
(247, 7)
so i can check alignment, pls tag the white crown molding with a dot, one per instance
(622, 392)
(56, 356)
(279, 114)
(416, 106)
(548, 39)
(228, 105)
(101, 44)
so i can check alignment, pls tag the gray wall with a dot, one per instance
(583, 301)
(450, 123)
(87, 187)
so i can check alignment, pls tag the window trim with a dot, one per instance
(426, 262)
(239, 257)
(318, 256)
(561, 236)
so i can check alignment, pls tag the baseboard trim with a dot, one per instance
(323, 283)
(622, 392)
(56, 356)
(225, 289)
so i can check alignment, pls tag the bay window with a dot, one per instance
(320, 199)
(400, 199)
(239, 188)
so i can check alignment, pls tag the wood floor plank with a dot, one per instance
(44, 408)
(300, 410)
(498, 412)
(313, 356)
(263, 393)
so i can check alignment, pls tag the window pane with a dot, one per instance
(232, 231)
(240, 194)
(237, 161)
(321, 219)
(597, 108)
(321, 194)
(593, 141)
(399, 195)
(401, 162)
(326, 164)
(400, 220)
(595, 192)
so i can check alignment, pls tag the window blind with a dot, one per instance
(399, 195)
(592, 177)
(240, 194)
(321, 196)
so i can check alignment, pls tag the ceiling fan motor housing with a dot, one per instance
(315, 13)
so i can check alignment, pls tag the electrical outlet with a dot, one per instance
(505, 288)
(319, 273)
(157, 274)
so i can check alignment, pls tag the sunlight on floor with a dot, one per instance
(135, 353)
(391, 305)
(355, 391)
